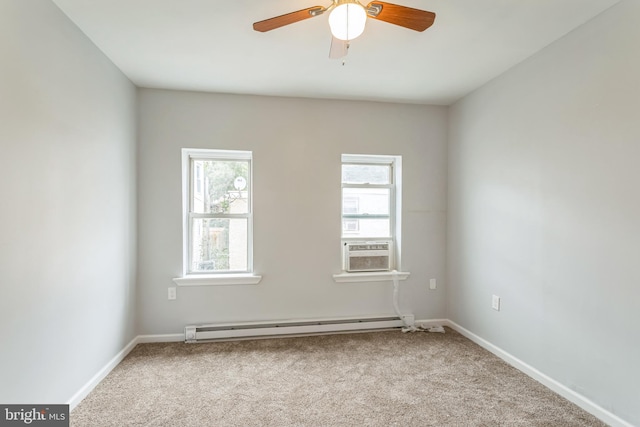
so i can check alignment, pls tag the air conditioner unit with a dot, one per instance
(367, 256)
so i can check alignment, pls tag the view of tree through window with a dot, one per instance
(219, 215)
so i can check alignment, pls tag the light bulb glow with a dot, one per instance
(347, 21)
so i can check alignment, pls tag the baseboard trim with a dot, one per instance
(145, 339)
(95, 380)
(564, 391)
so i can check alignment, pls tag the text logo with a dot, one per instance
(34, 415)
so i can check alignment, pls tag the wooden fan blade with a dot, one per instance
(339, 48)
(289, 18)
(414, 19)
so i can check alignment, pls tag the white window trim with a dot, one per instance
(223, 278)
(396, 225)
(374, 276)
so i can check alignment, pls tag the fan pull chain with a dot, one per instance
(344, 58)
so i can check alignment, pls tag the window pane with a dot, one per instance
(350, 204)
(221, 186)
(219, 244)
(366, 227)
(365, 201)
(366, 174)
(350, 226)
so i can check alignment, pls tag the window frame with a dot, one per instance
(395, 208)
(198, 278)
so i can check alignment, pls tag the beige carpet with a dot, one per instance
(368, 379)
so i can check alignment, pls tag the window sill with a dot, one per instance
(373, 276)
(218, 280)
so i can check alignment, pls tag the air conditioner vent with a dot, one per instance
(367, 256)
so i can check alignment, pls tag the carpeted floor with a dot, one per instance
(367, 379)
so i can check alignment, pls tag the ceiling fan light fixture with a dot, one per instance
(347, 20)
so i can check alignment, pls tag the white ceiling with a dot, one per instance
(209, 45)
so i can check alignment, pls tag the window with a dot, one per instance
(350, 225)
(350, 205)
(217, 214)
(371, 194)
(198, 179)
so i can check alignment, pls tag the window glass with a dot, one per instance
(225, 185)
(350, 226)
(366, 174)
(198, 179)
(366, 228)
(219, 244)
(365, 201)
(349, 204)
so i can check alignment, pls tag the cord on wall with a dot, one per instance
(408, 326)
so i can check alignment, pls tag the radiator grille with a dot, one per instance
(198, 333)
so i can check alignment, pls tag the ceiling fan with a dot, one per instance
(348, 17)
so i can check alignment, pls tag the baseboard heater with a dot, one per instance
(200, 333)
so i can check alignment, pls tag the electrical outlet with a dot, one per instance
(432, 284)
(171, 293)
(495, 302)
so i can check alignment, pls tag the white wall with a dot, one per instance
(544, 211)
(67, 221)
(296, 145)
